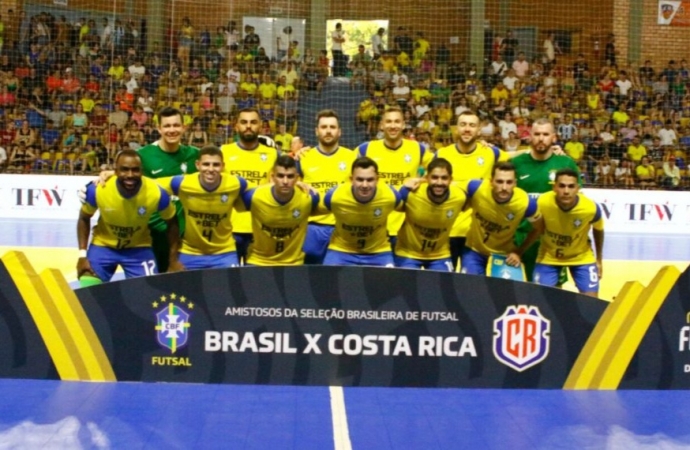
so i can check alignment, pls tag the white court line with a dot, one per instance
(341, 433)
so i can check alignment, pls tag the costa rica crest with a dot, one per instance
(521, 337)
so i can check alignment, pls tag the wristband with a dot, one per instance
(82, 253)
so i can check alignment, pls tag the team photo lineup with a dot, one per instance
(390, 202)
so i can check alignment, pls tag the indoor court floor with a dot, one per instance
(73, 415)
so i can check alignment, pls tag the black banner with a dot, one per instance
(350, 326)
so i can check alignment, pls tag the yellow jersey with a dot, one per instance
(425, 233)
(361, 227)
(565, 241)
(279, 229)
(254, 166)
(123, 222)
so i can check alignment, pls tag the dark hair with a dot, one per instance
(440, 163)
(503, 167)
(249, 110)
(567, 172)
(168, 111)
(285, 162)
(211, 150)
(127, 152)
(327, 113)
(364, 162)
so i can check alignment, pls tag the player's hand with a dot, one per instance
(105, 176)
(513, 259)
(306, 187)
(413, 183)
(176, 266)
(298, 149)
(557, 150)
(600, 269)
(84, 268)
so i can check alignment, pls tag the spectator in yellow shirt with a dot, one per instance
(636, 150)
(646, 174)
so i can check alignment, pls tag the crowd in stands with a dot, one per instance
(73, 94)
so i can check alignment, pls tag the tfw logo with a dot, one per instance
(38, 197)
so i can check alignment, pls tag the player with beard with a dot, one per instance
(323, 168)
(568, 217)
(208, 199)
(536, 172)
(498, 206)
(471, 159)
(251, 160)
(361, 208)
(397, 158)
(430, 211)
(121, 238)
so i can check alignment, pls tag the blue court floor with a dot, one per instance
(70, 415)
(74, 415)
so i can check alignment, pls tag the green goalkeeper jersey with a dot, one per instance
(157, 163)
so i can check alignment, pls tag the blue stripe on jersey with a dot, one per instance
(247, 198)
(175, 184)
(597, 214)
(472, 187)
(164, 201)
(531, 207)
(404, 192)
(243, 184)
(314, 201)
(329, 195)
(497, 153)
(422, 149)
(362, 149)
(299, 169)
(91, 194)
(398, 198)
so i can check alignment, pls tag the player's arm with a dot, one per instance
(598, 234)
(167, 211)
(324, 206)
(87, 211)
(514, 258)
(315, 202)
(534, 217)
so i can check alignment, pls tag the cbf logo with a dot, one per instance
(521, 338)
(172, 322)
(141, 211)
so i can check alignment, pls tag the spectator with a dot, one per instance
(671, 177)
(646, 174)
(636, 151)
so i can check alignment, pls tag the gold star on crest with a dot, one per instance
(173, 296)
(163, 298)
(183, 299)
(155, 304)
(190, 305)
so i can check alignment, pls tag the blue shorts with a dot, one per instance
(336, 258)
(136, 262)
(473, 263)
(316, 243)
(585, 276)
(441, 265)
(218, 261)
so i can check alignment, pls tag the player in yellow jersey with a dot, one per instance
(567, 218)
(397, 158)
(430, 211)
(323, 168)
(279, 215)
(361, 208)
(122, 237)
(251, 160)
(208, 198)
(498, 207)
(471, 160)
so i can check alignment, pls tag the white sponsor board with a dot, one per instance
(652, 212)
(41, 196)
